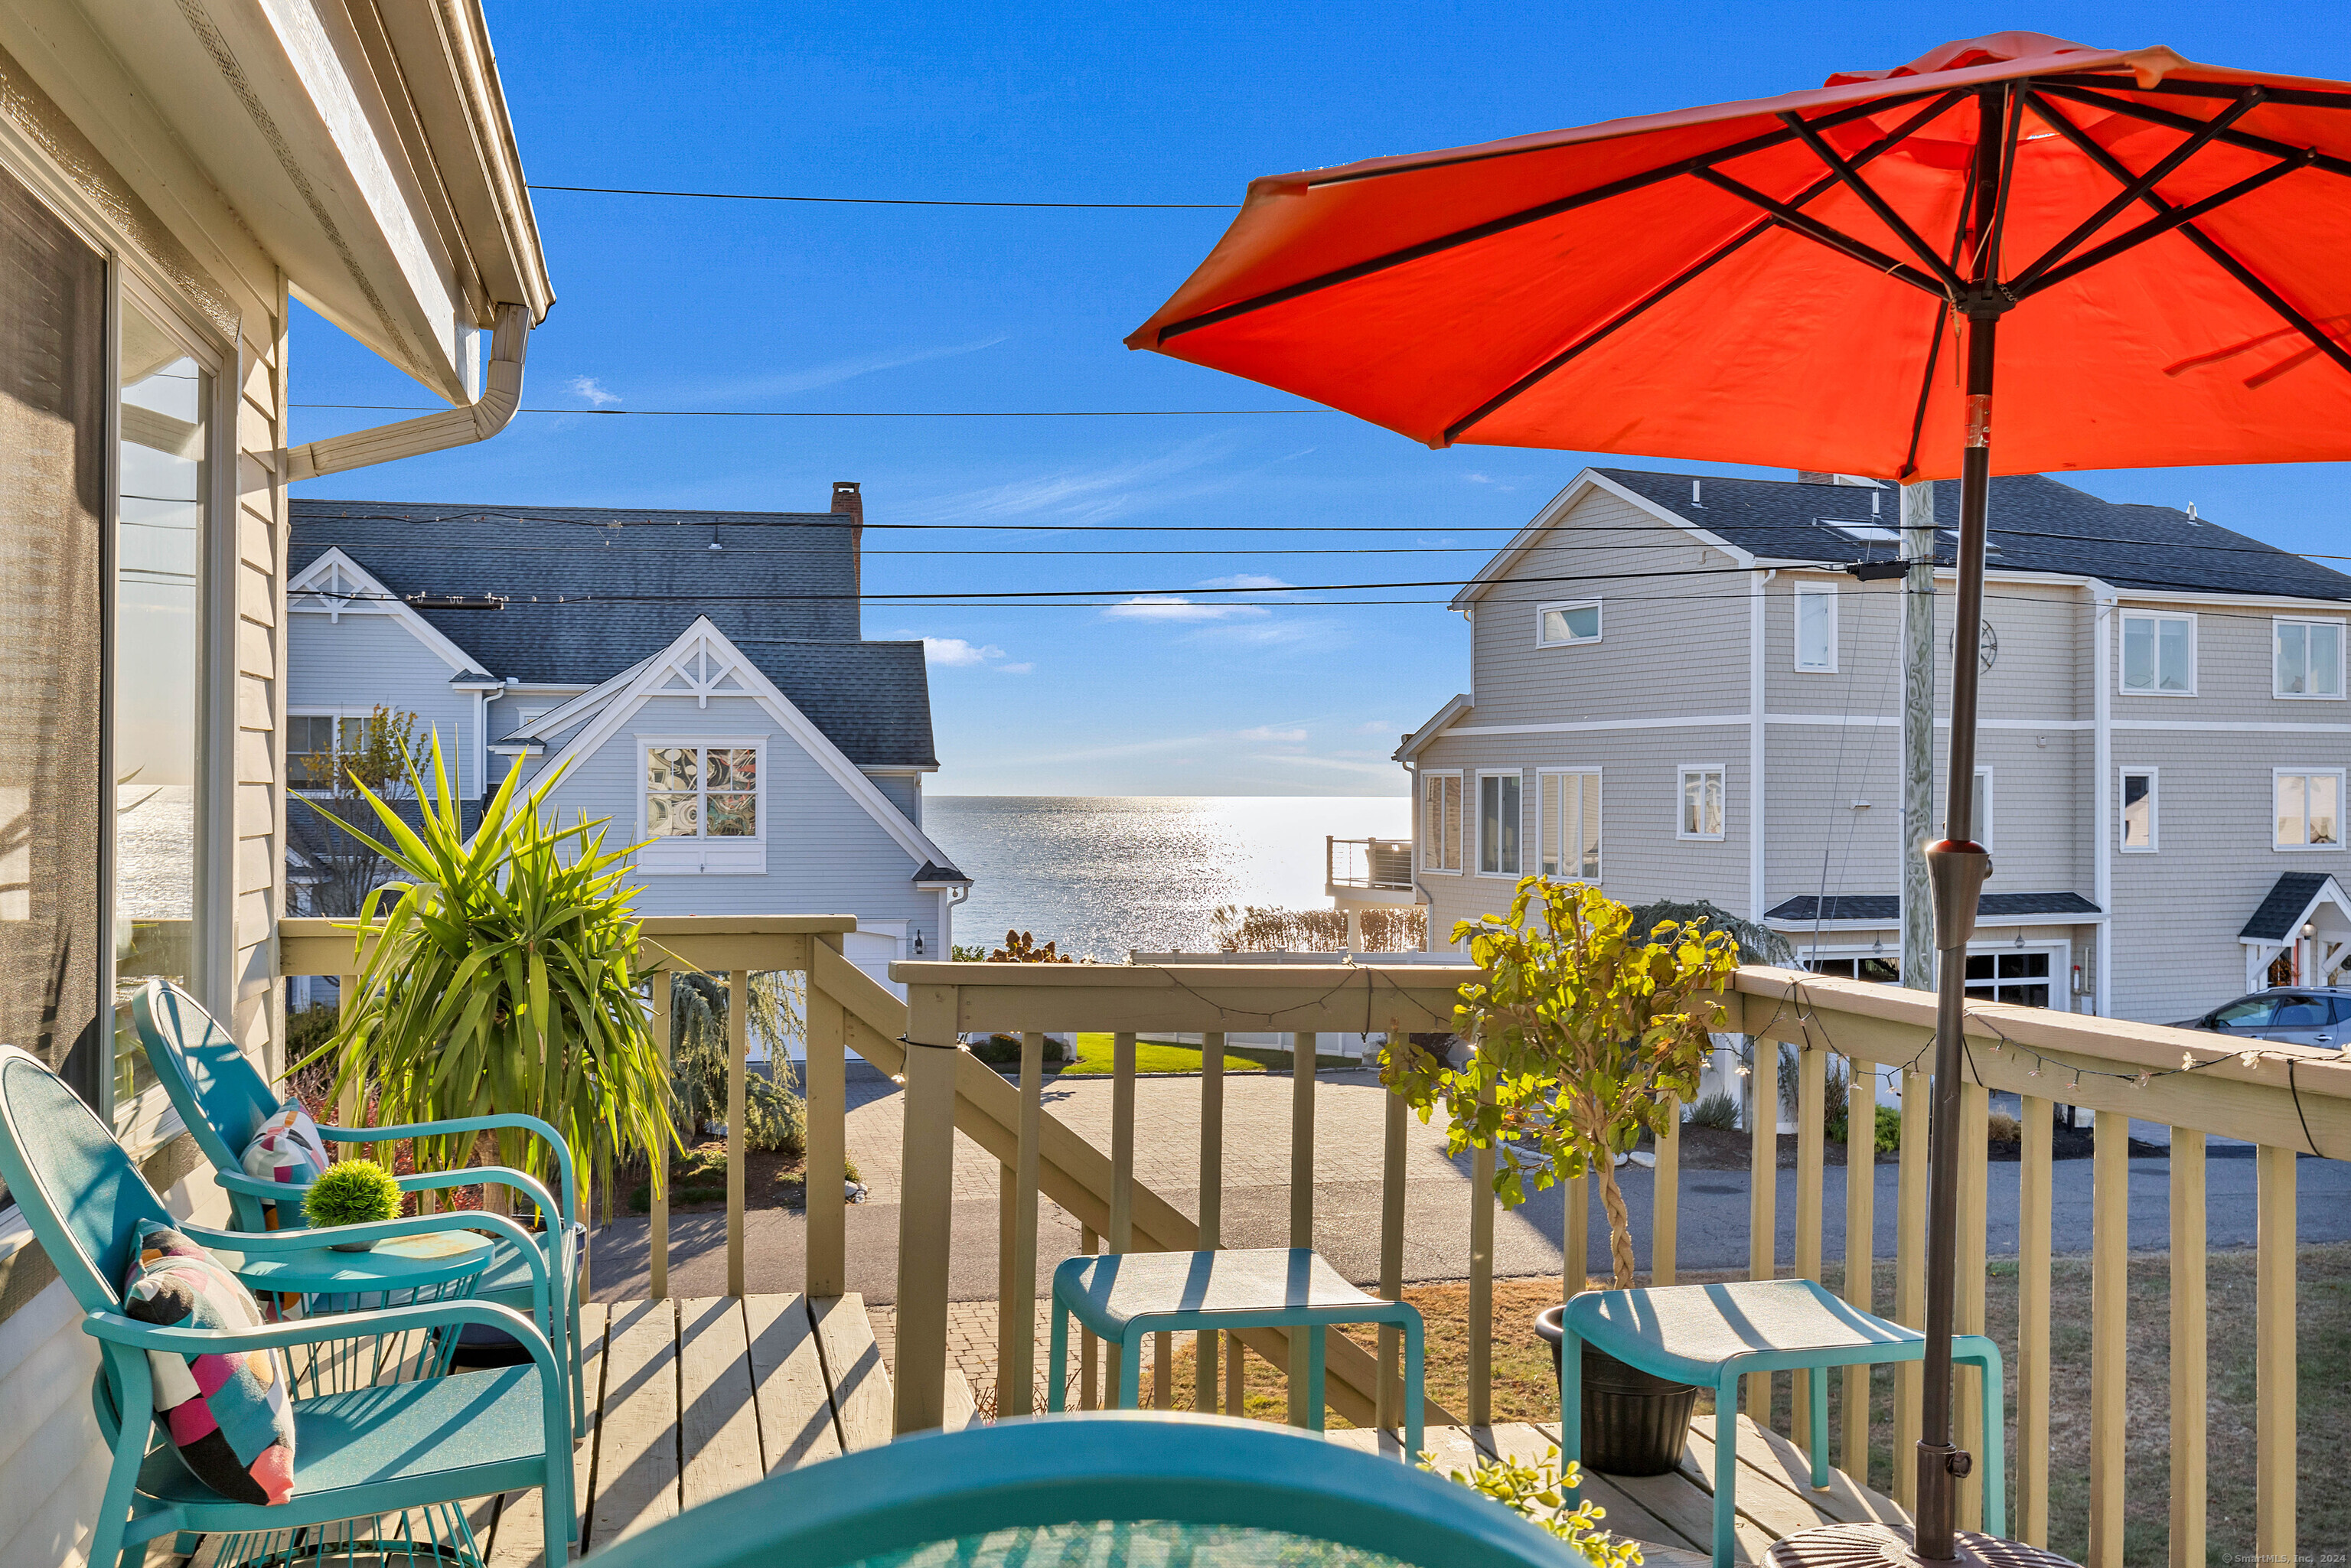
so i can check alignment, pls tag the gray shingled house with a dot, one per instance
(1679, 691)
(700, 677)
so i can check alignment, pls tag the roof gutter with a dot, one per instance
(461, 426)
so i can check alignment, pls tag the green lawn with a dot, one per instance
(1150, 1056)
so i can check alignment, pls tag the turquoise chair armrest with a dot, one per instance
(469, 1124)
(545, 1284)
(486, 1175)
(113, 1328)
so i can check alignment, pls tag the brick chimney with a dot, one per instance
(848, 503)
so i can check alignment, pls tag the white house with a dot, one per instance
(1681, 692)
(698, 679)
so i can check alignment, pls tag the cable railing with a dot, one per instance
(1369, 864)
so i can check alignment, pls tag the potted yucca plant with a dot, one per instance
(1584, 1034)
(499, 976)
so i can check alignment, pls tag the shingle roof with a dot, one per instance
(2036, 525)
(934, 871)
(1885, 908)
(592, 591)
(2288, 899)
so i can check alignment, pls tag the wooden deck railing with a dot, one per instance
(2285, 1100)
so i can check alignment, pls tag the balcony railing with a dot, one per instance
(1381, 865)
(2283, 1100)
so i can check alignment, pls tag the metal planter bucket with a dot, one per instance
(1635, 1423)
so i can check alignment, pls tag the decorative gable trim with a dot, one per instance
(703, 664)
(1553, 515)
(335, 586)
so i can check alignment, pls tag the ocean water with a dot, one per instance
(1104, 875)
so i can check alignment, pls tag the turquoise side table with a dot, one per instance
(1713, 1336)
(1124, 1297)
(402, 1271)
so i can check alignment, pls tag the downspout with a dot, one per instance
(1755, 744)
(460, 426)
(2101, 759)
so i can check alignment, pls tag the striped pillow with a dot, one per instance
(230, 1415)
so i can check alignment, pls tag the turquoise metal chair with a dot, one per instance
(413, 1450)
(1197, 1489)
(1713, 1336)
(223, 1100)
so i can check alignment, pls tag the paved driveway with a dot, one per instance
(1348, 1133)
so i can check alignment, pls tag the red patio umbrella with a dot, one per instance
(2147, 253)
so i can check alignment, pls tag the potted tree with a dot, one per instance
(498, 974)
(1584, 1033)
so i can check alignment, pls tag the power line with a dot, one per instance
(892, 200)
(844, 413)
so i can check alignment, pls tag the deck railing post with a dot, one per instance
(1910, 1278)
(1301, 1205)
(2187, 1349)
(2034, 1220)
(2109, 1330)
(1481, 1282)
(2274, 1390)
(1860, 1248)
(1975, 1134)
(1212, 1200)
(1665, 1199)
(926, 1207)
(1121, 1238)
(657, 1234)
(1762, 1195)
(739, 1052)
(1017, 1348)
(825, 1085)
(1390, 1397)
(1089, 1348)
(1811, 1159)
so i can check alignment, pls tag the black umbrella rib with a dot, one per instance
(2247, 140)
(1813, 229)
(1851, 178)
(1925, 391)
(2298, 98)
(1508, 221)
(1567, 355)
(2219, 254)
(2136, 188)
(2163, 225)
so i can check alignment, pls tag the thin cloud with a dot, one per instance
(1376, 727)
(1019, 669)
(1267, 733)
(955, 653)
(834, 371)
(592, 391)
(1246, 580)
(1088, 495)
(1176, 607)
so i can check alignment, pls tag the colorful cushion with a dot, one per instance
(288, 1148)
(230, 1415)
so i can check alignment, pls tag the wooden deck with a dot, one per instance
(691, 1399)
(1673, 1515)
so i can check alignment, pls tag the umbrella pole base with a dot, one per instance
(1889, 1546)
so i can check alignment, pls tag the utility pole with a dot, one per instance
(1918, 734)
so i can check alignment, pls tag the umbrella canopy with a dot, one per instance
(2144, 252)
(1769, 281)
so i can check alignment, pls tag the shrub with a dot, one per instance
(1716, 1110)
(1889, 1129)
(1538, 1493)
(2003, 1128)
(1000, 1049)
(352, 1192)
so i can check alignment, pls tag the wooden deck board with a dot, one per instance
(718, 1413)
(636, 1452)
(853, 1369)
(796, 1420)
(516, 1540)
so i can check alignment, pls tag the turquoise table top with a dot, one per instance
(404, 1263)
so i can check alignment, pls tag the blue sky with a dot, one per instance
(670, 304)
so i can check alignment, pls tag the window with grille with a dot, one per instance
(2159, 655)
(2017, 976)
(704, 807)
(2309, 809)
(2307, 658)
(1701, 803)
(1570, 808)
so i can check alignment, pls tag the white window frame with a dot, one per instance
(1544, 824)
(1681, 793)
(1436, 828)
(342, 715)
(1543, 611)
(2154, 810)
(1475, 810)
(2121, 643)
(2278, 624)
(703, 856)
(2334, 773)
(1804, 590)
